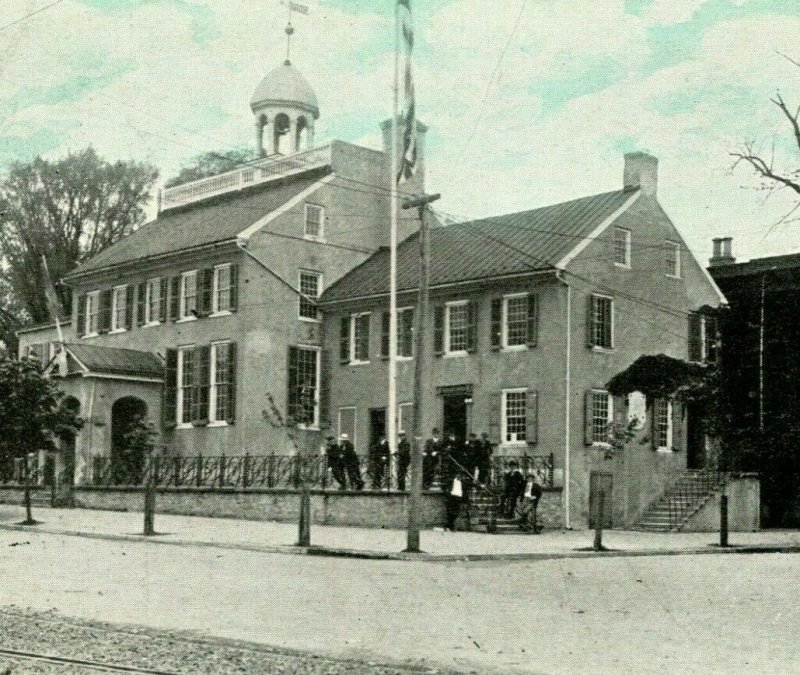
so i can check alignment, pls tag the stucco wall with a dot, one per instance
(744, 507)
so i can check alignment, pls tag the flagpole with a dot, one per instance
(391, 416)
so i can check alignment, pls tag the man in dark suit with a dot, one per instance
(513, 489)
(350, 462)
(403, 460)
(485, 459)
(335, 461)
(379, 461)
(431, 459)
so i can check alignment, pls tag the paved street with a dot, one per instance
(650, 614)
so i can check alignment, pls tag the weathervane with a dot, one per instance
(293, 7)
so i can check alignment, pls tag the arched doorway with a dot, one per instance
(127, 461)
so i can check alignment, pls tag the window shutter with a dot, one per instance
(205, 291)
(104, 318)
(678, 442)
(533, 319)
(366, 321)
(200, 401)
(385, 335)
(292, 399)
(695, 337)
(438, 330)
(175, 298)
(344, 340)
(497, 323)
(129, 301)
(587, 418)
(712, 338)
(233, 298)
(654, 408)
(472, 325)
(325, 388)
(532, 417)
(141, 304)
(619, 409)
(495, 411)
(82, 315)
(169, 411)
(590, 314)
(163, 290)
(232, 370)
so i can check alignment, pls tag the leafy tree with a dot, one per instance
(31, 412)
(69, 209)
(212, 164)
(137, 445)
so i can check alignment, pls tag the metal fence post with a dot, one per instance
(222, 470)
(199, 471)
(245, 470)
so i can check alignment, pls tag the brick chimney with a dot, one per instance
(723, 252)
(641, 170)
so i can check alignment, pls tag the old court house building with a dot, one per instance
(200, 315)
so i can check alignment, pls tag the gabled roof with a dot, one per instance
(98, 360)
(216, 220)
(529, 241)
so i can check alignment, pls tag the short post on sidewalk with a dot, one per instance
(598, 529)
(723, 520)
(150, 498)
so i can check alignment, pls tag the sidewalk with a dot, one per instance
(389, 544)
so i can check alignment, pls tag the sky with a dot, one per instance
(529, 102)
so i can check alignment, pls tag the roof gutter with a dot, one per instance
(433, 287)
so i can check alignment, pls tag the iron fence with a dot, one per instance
(694, 485)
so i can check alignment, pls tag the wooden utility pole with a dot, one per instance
(420, 356)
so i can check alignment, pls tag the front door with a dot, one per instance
(454, 416)
(696, 456)
(377, 424)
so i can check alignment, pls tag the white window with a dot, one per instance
(359, 337)
(304, 391)
(515, 320)
(310, 287)
(315, 222)
(92, 313)
(663, 425)
(405, 333)
(119, 308)
(514, 415)
(637, 409)
(221, 300)
(186, 384)
(456, 326)
(220, 395)
(188, 295)
(601, 412)
(602, 318)
(672, 259)
(153, 301)
(405, 418)
(622, 247)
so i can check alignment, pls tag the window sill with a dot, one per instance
(308, 319)
(357, 363)
(514, 445)
(224, 312)
(603, 350)
(150, 324)
(399, 358)
(116, 331)
(219, 423)
(450, 355)
(308, 427)
(673, 276)
(665, 451)
(515, 348)
(90, 335)
(622, 266)
(184, 425)
(601, 444)
(185, 319)
(314, 237)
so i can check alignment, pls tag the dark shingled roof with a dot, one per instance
(511, 244)
(756, 266)
(116, 361)
(211, 221)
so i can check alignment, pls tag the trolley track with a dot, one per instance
(98, 666)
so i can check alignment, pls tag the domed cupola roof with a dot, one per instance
(285, 86)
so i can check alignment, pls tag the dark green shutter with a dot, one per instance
(497, 323)
(495, 411)
(232, 371)
(695, 337)
(169, 411)
(587, 418)
(141, 304)
(205, 292)
(533, 319)
(129, 302)
(344, 340)
(292, 389)
(472, 325)
(175, 298)
(590, 315)
(325, 389)
(203, 384)
(532, 417)
(385, 316)
(81, 315)
(164, 291)
(654, 410)
(438, 330)
(712, 338)
(234, 292)
(678, 442)
(104, 311)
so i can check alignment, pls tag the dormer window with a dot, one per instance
(315, 222)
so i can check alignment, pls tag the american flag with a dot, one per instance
(408, 119)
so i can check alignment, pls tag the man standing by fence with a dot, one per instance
(350, 461)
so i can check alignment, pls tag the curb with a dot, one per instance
(335, 552)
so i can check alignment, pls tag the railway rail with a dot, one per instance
(98, 666)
